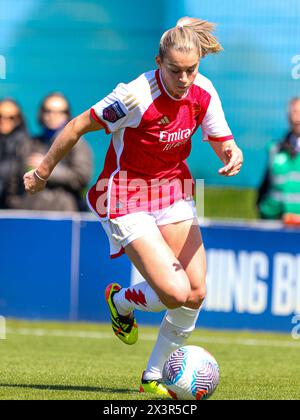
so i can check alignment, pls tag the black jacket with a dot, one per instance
(14, 149)
(65, 188)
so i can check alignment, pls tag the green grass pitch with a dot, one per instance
(85, 361)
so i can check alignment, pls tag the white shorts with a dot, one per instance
(122, 230)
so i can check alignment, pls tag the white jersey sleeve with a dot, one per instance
(120, 109)
(214, 125)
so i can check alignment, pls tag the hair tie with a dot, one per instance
(179, 25)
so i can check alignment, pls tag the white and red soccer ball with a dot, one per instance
(191, 373)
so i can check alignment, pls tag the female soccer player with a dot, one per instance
(143, 196)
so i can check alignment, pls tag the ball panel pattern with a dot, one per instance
(175, 366)
(191, 373)
(205, 379)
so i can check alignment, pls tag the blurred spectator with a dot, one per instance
(66, 185)
(279, 193)
(14, 147)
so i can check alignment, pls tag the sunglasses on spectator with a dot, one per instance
(55, 111)
(9, 117)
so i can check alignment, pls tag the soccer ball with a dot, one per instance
(191, 373)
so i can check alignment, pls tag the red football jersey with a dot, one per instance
(145, 167)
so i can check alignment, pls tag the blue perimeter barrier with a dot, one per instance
(55, 267)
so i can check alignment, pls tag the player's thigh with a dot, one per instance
(157, 263)
(185, 240)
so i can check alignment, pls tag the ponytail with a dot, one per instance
(189, 34)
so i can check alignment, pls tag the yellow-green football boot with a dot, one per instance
(124, 327)
(154, 386)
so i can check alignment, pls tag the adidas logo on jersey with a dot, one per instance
(164, 120)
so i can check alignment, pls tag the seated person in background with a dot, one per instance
(279, 193)
(65, 187)
(14, 147)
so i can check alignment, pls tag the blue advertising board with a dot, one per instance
(253, 277)
(57, 267)
(34, 268)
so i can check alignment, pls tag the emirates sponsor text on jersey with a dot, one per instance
(176, 139)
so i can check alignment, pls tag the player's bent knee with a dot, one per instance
(196, 298)
(177, 299)
(201, 294)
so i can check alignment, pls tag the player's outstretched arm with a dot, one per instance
(230, 154)
(36, 179)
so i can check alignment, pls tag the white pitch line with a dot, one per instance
(39, 332)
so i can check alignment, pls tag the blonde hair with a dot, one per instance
(189, 34)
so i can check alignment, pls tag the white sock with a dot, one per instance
(175, 329)
(140, 296)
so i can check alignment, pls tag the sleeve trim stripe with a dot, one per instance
(99, 121)
(127, 97)
(154, 83)
(130, 101)
(220, 139)
(154, 90)
(134, 105)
